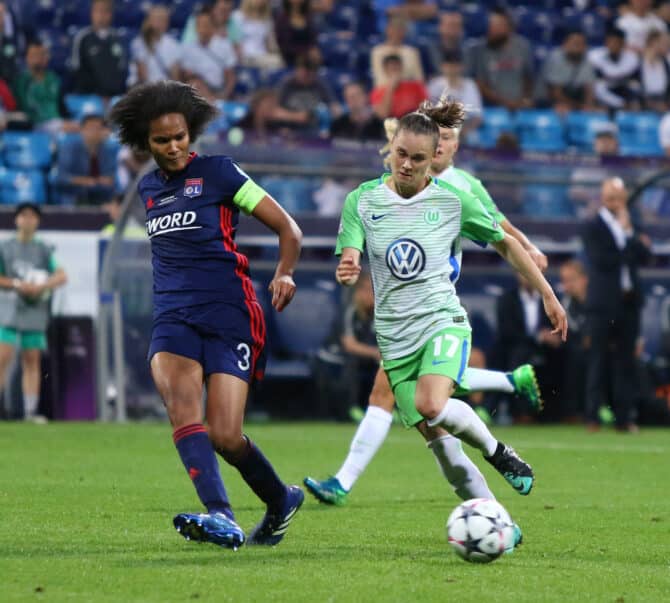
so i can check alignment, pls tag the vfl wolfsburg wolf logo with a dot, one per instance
(405, 259)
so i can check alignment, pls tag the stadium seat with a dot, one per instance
(343, 17)
(496, 120)
(79, 105)
(128, 13)
(547, 201)
(234, 111)
(296, 333)
(26, 150)
(336, 50)
(293, 194)
(581, 127)
(180, 11)
(475, 20)
(17, 186)
(337, 79)
(591, 23)
(59, 45)
(638, 133)
(248, 80)
(536, 25)
(540, 130)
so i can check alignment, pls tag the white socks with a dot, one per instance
(30, 402)
(463, 475)
(369, 436)
(460, 420)
(483, 380)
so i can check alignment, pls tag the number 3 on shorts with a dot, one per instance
(243, 364)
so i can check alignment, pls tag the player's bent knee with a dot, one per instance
(182, 413)
(428, 407)
(228, 440)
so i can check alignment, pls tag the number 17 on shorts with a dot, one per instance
(447, 353)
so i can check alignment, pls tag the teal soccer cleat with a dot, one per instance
(328, 491)
(518, 539)
(273, 526)
(525, 383)
(513, 468)
(216, 528)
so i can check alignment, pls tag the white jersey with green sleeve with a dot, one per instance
(409, 244)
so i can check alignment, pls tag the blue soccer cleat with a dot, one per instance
(216, 528)
(274, 524)
(328, 491)
(517, 540)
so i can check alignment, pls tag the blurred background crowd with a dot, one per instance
(561, 94)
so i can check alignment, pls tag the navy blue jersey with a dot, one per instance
(191, 221)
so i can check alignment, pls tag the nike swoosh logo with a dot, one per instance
(436, 362)
(377, 217)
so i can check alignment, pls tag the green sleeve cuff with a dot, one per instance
(249, 196)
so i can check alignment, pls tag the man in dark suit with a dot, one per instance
(614, 251)
(524, 336)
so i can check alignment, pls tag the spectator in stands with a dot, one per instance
(305, 90)
(10, 45)
(211, 57)
(258, 45)
(129, 165)
(7, 100)
(394, 44)
(154, 53)
(614, 252)
(574, 282)
(225, 26)
(87, 164)
(524, 336)
(28, 273)
(295, 31)
(664, 134)
(606, 139)
(358, 122)
(450, 29)
(398, 95)
(266, 116)
(38, 90)
(568, 75)
(502, 64)
(637, 21)
(654, 73)
(452, 84)
(99, 58)
(615, 68)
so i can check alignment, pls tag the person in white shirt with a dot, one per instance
(637, 22)
(154, 54)
(395, 44)
(258, 45)
(664, 134)
(211, 57)
(452, 84)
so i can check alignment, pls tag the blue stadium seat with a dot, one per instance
(337, 79)
(180, 12)
(475, 20)
(591, 23)
(248, 79)
(128, 13)
(549, 201)
(336, 50)
(79, 105)
(536, 25)
(638, 133)
(17, 186)
(293, 194)
(26, 150)
(59, 45)
(540, 130)
(496, 120)
(343, 17)
(44, 14)
(581, 127)
(234, 111)
(74, 12)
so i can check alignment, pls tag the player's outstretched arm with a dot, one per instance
(510, 249)
(349, 268)
(535, 254)
(282, 286)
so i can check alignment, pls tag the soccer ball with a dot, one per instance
(480, 530)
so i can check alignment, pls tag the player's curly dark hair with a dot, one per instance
(141, 105)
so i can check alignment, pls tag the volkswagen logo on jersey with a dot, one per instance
(405, 259)
(193, 187)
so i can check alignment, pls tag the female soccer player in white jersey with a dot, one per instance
(456, 466)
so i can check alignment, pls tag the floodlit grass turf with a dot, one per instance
(86, 515)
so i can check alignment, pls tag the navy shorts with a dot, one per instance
(223, 338)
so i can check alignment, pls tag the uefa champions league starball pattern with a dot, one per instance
(480, 530)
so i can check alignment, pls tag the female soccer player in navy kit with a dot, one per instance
(208, 326)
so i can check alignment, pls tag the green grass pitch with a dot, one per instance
(86, 512)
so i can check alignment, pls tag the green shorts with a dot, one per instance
(446, 353)
(26, 340)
